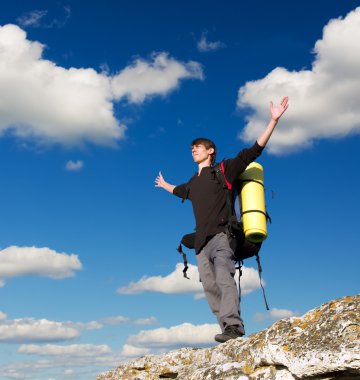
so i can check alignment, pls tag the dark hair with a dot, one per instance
(208, 144)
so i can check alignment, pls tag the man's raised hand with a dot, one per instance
(276, 112)
(159, 180)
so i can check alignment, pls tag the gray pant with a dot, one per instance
(217, 269)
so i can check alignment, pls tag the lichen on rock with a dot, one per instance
(322, 344)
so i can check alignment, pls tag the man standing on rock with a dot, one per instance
(209, 200)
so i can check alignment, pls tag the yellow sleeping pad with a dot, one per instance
(253, 203)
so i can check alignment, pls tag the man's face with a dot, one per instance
(201, 154)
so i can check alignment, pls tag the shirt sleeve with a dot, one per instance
(235, 166)
(180, 191)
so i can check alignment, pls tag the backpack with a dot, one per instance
(242, 247)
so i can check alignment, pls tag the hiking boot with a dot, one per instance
(231, 332)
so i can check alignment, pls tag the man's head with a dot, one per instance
(203, 149)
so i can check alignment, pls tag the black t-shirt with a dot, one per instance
(208, 197)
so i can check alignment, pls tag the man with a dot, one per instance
(214, 256)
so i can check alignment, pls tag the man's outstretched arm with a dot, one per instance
(276, 113)
(160, 182)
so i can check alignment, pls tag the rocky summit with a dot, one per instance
(322, 344)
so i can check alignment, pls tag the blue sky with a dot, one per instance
(95, 99)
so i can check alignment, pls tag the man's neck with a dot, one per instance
(203, 165)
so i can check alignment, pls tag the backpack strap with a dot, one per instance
(228, 184)
(263, 290)
(239, 264)
(180, 250)
(267, 216)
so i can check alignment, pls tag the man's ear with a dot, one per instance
(211, 150)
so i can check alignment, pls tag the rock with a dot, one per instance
(322, 344)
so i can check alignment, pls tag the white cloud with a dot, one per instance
(204, 45)
(60, 366)
(185, 334)
(146, 321)
(12, 373)
(133, 352)
(32, 330)
(54, 366)
(23, 330)
(143, 343)
(281, 313)
(32, 18)
(143, 79)
(118, 320)
(23, 261)
(50, 104)
(74, 350)
(274, 314)
(323, 100)
(36, 18)
(93, 325)
(260, 317)
(74, 165)
(2, 316)
(175, 283)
